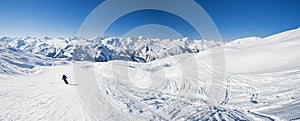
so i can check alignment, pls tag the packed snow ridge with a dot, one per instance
(102, 49)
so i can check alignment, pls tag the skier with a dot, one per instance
(64, 77)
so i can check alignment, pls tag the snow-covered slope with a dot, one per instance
(110, 48)
(13, 61)
(41, 97)
(257, 55)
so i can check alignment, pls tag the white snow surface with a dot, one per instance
(262, 82)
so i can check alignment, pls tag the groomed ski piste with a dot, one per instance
(261, 82)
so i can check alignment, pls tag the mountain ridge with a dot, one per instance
(102, 49)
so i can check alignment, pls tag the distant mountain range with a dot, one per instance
(102, 49)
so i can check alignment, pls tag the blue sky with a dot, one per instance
(63, 18)
(150, 16)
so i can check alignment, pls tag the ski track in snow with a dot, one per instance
(40, 97)
(246, 98)
(46, 97)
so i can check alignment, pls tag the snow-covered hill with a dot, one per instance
(110, 48)
(13, 61)
(260, 55)
(262, 80)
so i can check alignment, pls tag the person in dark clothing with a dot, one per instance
(64, 77)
